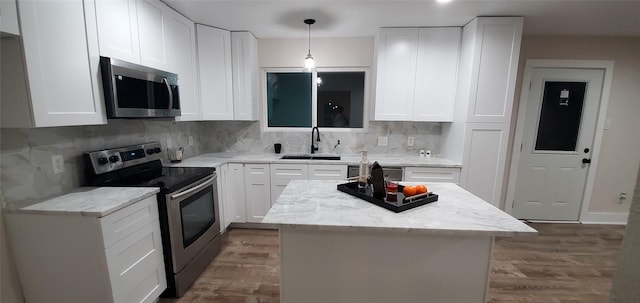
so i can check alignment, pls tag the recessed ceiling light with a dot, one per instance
(443, 1)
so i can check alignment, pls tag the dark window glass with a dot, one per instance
(289, 99)
(560, 116)
(340, 99)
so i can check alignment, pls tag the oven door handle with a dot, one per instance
(206, 183)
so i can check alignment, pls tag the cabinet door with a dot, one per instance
(222, 182)
(244, 58)
(236, 205)
(395, 73)
(181, 59)
(431, 174)
(214, 68)
(257, 191)
(436, 72)
(281, 174)
(151, 29)
(63, 76)
(497, 51)
(327, 172)
(136, 266)
(118, 29)
(484, 160)
(9, 19)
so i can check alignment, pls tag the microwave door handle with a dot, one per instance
(166, 83)
(190, 190)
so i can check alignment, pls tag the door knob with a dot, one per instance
(586, 161)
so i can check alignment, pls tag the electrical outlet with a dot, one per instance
(410, 141)
(622, 197)
(190, 140)
(383, 141)
(58, 164)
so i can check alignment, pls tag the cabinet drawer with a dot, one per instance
(432, 174)
(124, 222)
(289, 171)
(135, 265)
(327, 172)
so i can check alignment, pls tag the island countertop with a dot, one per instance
(318, 205)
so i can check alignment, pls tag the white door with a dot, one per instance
(559, 128)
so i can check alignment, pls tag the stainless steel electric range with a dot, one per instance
(187, 204)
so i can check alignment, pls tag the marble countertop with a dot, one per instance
(89, 201)
(318, 205)
(218, 159)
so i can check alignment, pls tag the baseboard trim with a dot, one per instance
(605, 218)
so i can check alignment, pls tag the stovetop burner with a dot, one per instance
(139, 165)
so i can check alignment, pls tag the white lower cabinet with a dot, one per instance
(257, 191)
(281, 174)
(222, 182)
(431, 174)
(75, 258)
(247, 191)
(235, 203)
(327, 172)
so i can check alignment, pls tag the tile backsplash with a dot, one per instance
(25, 154)
(242, 136)
(27, 172)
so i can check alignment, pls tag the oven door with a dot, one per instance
(193, 220)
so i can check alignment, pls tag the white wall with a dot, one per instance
(620, 157)
(327, 52)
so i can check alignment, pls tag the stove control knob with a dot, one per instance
(157, 150)
(103, 160)
(113, 159)
(150, 151)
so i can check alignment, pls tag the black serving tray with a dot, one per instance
(398, 206)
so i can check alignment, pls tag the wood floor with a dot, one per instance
(566, 263)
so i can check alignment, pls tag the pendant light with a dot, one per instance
(309, 64)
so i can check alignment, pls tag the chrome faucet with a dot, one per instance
(314, 146)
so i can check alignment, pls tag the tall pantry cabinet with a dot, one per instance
(478, 135)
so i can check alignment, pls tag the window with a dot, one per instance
(327, 99)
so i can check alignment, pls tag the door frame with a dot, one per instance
(530, 64)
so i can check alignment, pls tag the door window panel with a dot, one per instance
(560, 116)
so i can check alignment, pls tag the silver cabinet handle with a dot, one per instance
(197, 188)
(166, 83)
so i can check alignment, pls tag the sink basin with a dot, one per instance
(310, 157)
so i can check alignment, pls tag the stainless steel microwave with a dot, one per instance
(134, 91)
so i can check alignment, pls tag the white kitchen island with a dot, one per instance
(338, 248)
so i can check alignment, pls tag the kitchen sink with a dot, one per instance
(310, 157)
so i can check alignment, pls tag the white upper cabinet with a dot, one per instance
(494, 68)
(214, 68)
(416, 73)
(182, 60)
(118, 29)
(46, 81)
(152, 33)
(436, 72)
(9, 17)
(244, 57)
(397, 50)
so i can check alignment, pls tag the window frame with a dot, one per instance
(366, 111)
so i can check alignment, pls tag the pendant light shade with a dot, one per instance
(309, 64)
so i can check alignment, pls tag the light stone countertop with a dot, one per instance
(218, 159)
(318, 205)
(89, 201)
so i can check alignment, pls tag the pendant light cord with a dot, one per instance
(309, 51)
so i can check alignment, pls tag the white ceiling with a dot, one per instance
(358, 18)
